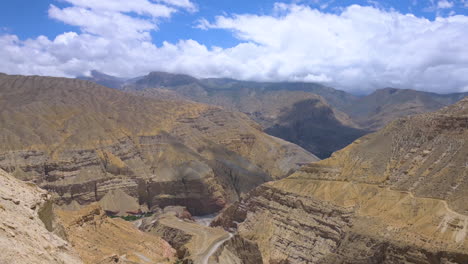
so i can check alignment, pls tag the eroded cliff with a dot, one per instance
(395, 196)
(100, 239)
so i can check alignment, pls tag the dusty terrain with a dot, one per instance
(24, 237)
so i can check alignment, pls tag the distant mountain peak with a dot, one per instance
(158, 78)
(104, 79)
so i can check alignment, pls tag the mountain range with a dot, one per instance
(316, 117)
(91, 143)
(168, 168)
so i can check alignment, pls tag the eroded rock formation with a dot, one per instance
(100, 239)
(83, 141)
(395, 196)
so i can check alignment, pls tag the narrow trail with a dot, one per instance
(215, 246)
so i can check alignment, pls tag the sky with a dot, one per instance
(357, 46)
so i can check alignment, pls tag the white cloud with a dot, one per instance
(162, 8)
(444, 4)
(187, 4)
(103, 23)
(360, 48)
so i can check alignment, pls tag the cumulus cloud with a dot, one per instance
(357, 49)
(113, 25)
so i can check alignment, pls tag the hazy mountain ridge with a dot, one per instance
(104, 79)
(384, 105)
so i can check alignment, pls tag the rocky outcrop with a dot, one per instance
(25, 217)
(100, 239)
(395, 196)
(84, 141)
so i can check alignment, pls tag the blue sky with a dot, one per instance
(352, 45)
(29, 18)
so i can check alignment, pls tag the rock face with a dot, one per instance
(82, 141)
(24, 219)
(395, 196)
(100, 239)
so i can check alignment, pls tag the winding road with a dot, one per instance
(210, 251)
(205, 240)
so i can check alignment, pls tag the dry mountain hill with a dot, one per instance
(399, 195)
(90, 143)
(297, 112)
(318, 118)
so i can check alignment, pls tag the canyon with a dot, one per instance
(395, 196)
(142, 173)
(318, 118)
(89, 143)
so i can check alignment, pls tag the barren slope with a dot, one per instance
(100, 239)
(296, 112)
(24, 237)
(396, 196)
(83, 141)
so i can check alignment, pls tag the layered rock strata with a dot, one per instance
(395, 196)
(84, 141)
(100, 239)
